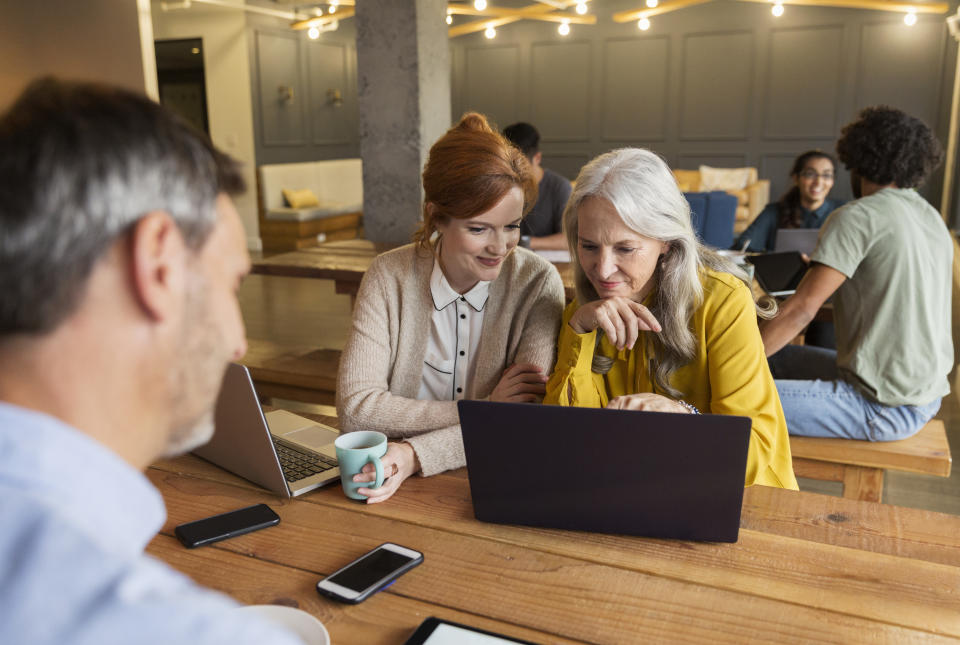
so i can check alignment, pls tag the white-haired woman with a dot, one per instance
(661, 322)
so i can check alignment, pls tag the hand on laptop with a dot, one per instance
(521, 383)
(399, 463)
(647, 402)
(621, 319)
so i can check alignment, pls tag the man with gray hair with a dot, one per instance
(120, 256)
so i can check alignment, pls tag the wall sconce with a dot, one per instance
(334, 98)
(285, 94)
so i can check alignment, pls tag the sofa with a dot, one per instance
(751, 192)
(713, 215)
(302, 204)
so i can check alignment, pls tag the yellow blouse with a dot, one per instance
(728, 375)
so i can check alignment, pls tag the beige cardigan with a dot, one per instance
(381, 365)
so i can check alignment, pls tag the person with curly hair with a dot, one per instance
(886, 258)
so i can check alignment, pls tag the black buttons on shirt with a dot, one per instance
(463, 353)
(459, 390)
(463, 315)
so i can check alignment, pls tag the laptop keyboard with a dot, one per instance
(298, 463)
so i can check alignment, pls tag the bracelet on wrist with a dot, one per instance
(692, 409)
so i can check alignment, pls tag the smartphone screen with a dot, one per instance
(370, 572)
(226, 525)
(435, 631)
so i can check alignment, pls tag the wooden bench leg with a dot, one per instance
(864, 484)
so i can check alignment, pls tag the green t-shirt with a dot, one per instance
(892, 314)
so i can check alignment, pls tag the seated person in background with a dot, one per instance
(661, 322)
(541, 228)
(887, 257)
(805, 205)
(120, 256)
(465, 316)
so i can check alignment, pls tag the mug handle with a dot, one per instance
(379, 466)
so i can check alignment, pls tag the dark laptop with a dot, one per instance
(778, 273)
(609, 471)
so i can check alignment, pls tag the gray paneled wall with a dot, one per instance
(318, 120)
(723, 84)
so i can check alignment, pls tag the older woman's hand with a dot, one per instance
(522, 383)
(399, 463)
(621, 319)
(647, 402)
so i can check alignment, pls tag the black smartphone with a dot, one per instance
(226, 525)
(369, 573)
(436, 631)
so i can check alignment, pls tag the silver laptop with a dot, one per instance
(803, 240)
(282, 451)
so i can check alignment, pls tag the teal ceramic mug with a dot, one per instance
(354, 451)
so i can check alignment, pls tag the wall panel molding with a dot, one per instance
(901, 67)
(715, 98)
(804, 58)
(560, 90)
(492, 84)
(635, 89)
(327, 69)
(278, 62)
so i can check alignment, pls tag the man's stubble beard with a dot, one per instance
(195, 379)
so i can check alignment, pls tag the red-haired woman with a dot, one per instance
(462, 313)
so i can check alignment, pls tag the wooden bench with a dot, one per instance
(860, 464)
(296, 373)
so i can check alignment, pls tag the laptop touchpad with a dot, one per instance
(314, 437)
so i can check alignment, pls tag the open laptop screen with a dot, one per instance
(608, 471)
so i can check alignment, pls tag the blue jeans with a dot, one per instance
(817, 403)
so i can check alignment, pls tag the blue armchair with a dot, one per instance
(713, 216)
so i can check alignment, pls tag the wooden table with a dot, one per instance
(807, 568)
(345, 263)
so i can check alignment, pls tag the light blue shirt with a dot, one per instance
(74, 521)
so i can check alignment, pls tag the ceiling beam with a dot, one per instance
(323, 21)
(533, 11)
(875, 5)
(554, 16)
(662, 8)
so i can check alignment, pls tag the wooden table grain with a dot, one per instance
(345, 263)
(807, 568)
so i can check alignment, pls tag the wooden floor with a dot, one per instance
(300, 311)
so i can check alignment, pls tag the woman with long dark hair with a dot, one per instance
(805, 205)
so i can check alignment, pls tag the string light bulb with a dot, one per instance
(777, 10)
(313, 33)
(564, 28)
(479, 5)
(910, 19)
(333, 6)
(449, 19)
(490, 32)
(643, 24)
(652, 3)
(581, 8)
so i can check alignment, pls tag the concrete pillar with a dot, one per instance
(403, 74)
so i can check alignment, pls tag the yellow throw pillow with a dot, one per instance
(723, 178)
(303, 198)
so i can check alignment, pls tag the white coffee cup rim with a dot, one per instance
(360, 436)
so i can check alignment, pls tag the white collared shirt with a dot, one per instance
(453, 338)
